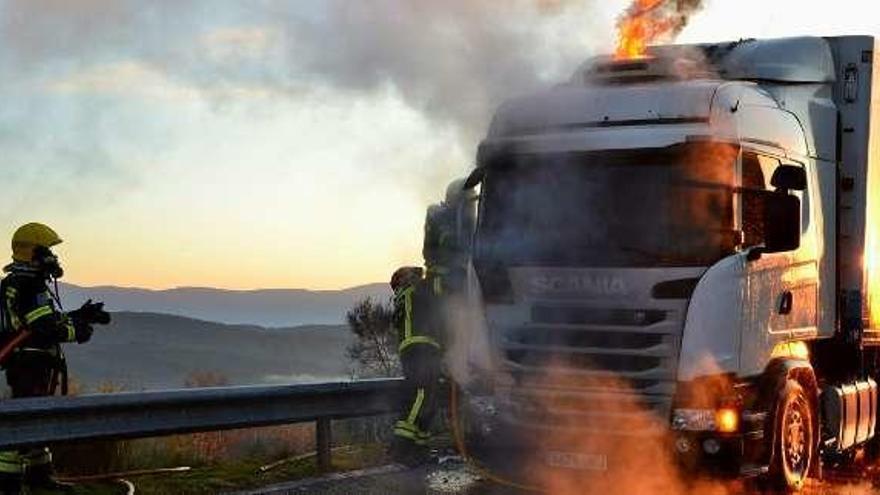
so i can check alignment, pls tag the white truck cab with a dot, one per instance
(691, 232)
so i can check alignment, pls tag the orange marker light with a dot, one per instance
(797, 350)
(727, 420)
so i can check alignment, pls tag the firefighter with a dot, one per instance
(420, 351)
(35, 367)
(448, 231)
(449, 228)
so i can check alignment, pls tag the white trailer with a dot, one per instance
(694, 231)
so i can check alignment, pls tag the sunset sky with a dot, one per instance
(269, 144)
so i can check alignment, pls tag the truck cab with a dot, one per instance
(679, 247)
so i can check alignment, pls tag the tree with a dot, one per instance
(375, 350)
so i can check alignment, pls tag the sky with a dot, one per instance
(283, 144)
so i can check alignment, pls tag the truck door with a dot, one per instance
(781, 288)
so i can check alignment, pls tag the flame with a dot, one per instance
(872, 221)
(872, 250)
(649, 21)
(637, 28)
(872, 269)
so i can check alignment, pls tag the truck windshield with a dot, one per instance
(659, 207)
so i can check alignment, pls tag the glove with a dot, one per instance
(84, 332)
(91, 313)
(101, 317)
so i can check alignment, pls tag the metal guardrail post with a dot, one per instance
(324, 444)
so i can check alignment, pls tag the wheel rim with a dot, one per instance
(796, 450)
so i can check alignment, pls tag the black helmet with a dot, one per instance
(406, 276)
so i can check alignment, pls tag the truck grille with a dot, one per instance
(610, 370)
(550, 337)
(593, 316)
(583, 361)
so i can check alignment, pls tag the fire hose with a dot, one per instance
(121, 477)
(13, 343)
(461, 446)
(60, 369)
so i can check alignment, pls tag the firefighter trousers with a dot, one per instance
(422, 392)
(29, 374)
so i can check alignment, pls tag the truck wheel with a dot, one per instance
(794, 439)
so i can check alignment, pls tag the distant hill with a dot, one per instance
(156, 351)
(269, 308)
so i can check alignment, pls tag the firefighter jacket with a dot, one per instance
(415, 318)
(28, 304)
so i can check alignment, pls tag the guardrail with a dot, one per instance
(49, 420)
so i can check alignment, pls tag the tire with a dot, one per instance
(794, 439)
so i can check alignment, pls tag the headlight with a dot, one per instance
(693, 420)
(724, 420)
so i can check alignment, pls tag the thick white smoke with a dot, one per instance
(454, 59)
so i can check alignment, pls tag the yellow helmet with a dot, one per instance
(30, 236)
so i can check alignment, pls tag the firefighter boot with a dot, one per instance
(408, 453)
(10, 484)
(40, 472)
(42, 478)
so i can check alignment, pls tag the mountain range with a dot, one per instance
(140, 351)
(271, 308)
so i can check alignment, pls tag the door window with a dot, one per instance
(757, 172)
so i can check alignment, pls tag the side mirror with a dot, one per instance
(782, 222)
(789, 178)
(475, 178)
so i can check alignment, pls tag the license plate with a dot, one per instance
(578, 461)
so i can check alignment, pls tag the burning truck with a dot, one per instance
(683, 246)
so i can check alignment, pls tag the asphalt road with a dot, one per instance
(386, 480)
(456, 480)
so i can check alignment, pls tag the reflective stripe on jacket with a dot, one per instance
(413, 317)
(27, 303)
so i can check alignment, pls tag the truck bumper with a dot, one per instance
(709, 453)
(518, 455)
(745, 453)
(505, 444)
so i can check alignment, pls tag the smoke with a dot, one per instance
(452, 62)
(647, 22)
(455, 60)
(575, 444)
(34, 32)
(469, 354)
(641, 461)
